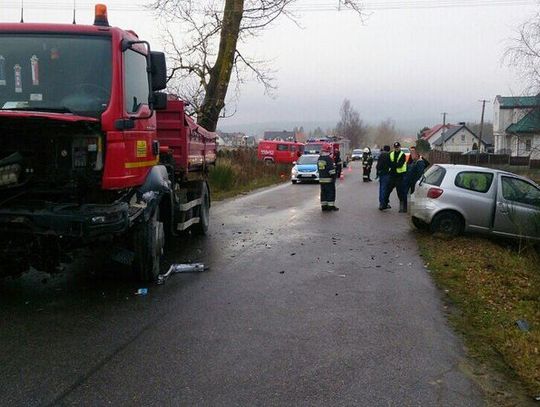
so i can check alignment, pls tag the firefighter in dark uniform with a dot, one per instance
(327, 179)
(367, 164)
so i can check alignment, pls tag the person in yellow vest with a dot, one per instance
(398, 169)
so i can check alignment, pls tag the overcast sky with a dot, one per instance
(409, 64)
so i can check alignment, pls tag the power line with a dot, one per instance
(300, 7)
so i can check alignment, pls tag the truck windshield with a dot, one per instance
(53, 73)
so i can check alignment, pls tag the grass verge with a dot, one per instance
(491, 286)
(239, 171)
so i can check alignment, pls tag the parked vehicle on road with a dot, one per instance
(375, 152)
(91, 152)
(305, 169)
(455, 198)
(279, 152)
(357, 154)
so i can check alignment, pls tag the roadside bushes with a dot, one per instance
(238, 171)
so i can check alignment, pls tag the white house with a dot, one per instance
(434, 134)
(516, 125)
(459, 139)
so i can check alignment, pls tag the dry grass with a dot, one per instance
(240, 171)
(492, 286)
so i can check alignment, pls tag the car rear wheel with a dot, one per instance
(294, 181)
(447, 223)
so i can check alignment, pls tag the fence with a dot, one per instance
(488, 160)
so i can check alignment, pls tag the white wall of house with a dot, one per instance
(502, 118)
(525, 146)
(462, 142)
(435, 137)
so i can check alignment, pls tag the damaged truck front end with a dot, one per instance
(51, 198)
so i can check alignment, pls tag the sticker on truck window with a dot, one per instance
(141, 148)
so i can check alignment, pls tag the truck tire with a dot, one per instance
(148, 244)
(201, 228)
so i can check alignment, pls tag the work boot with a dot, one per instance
(324, 208)
(333, 208)
(402, 207)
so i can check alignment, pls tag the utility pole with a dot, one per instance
(483, 101)
(443, 129)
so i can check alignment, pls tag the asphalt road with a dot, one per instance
(299, 308)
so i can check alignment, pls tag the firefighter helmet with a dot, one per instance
(366, 150)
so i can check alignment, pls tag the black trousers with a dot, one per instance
(367, 172)
(328, 193)
(396, 181)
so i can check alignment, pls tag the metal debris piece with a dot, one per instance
(141, 291)
(181, 268)
(522, 325)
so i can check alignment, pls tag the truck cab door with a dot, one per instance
(140, 141)
(517, 208)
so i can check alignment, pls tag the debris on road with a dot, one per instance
(181, 268)
(522, 325)
(141, 291)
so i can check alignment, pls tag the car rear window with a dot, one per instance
(474, 181)
(435, 175)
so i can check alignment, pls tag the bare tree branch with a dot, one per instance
(198, 37)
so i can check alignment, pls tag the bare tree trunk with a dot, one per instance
(220, 74)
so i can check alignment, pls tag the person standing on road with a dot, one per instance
(415, 170)
(327, 179)
(383, 173)
(367, 164)
(398, 169)
(339, 164)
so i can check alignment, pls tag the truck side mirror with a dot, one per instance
(158, 69)
(159, 101)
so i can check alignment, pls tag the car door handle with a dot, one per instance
(503, 208)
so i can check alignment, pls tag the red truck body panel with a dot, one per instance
(280, 152)
(192, 146)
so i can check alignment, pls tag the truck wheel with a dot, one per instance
(201, 228)
(148, 244)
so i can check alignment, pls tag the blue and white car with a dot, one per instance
(305, 169)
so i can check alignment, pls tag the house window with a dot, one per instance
(528, 145)
(463, 137)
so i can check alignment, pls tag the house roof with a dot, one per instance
(511, 102)
(530, 123)
(429, 133)
(452, 132)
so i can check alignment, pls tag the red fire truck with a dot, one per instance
(279, 152)
(90, 151)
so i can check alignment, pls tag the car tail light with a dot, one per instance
(434, 193)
